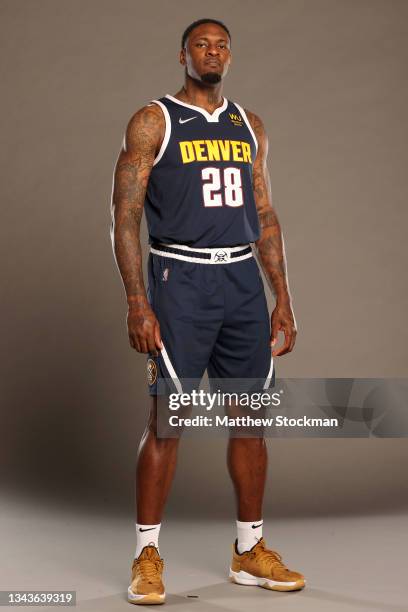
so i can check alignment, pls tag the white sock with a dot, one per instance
(146, 535)
(249, 533)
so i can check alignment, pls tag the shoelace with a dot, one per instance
(149, 569)
(270, 557)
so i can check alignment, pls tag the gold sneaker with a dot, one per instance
(263, 567)
(147, 586)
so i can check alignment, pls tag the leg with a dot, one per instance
(257, 566)
(189, 321)
(247, 466)
(242, 352)
(156, 465)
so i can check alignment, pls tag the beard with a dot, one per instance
(211, 77)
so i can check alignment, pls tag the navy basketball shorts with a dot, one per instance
(213, 315)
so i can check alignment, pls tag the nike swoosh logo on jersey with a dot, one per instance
(185, 120)
(255, 526)
(148, 529)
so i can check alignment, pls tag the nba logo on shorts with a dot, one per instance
(165, 274)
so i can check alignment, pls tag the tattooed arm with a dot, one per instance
(270, 246)
(142, 141)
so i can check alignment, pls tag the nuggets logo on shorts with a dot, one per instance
(221, 256)
(151, 372)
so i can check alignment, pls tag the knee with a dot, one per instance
(248, 444)
(161, 441)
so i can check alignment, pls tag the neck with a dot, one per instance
(200, 94)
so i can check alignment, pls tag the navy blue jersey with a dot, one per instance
(200, 190)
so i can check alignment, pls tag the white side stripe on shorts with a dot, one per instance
(268, 379)
(171, 370)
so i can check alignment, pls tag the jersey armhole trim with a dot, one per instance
(249, 126)
(167, 131)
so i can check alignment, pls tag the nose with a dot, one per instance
(213, 50)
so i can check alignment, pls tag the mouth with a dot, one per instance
(213, 63)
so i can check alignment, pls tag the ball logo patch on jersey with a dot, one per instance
(151, 372)
(236, 119)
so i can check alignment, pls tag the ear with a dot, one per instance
(183, 57)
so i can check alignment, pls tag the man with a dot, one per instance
(196, 163)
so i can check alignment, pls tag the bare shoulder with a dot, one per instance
(145, 128)
(256, 122)
(260, 133)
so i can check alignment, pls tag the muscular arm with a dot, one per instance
(270, 246)
(143, 136)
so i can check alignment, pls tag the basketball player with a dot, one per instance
(196, 163)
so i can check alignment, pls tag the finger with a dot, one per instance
(285, 346)
(151, 344)
(291, 334)
(274, 333)
(135, 343)
(132, 341)
(292, 345)
(157, 337)
(143, 344)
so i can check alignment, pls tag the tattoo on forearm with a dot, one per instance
(268, 219)
(270, 245)
(272, 258)
(271, 253)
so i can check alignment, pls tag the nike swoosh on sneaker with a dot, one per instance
(185, 120)
(256, 526)
(148, 529)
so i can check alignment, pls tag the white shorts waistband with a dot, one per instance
(208, 255)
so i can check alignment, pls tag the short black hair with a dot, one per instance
(199, 22)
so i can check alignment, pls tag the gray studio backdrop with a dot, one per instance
(328, 77)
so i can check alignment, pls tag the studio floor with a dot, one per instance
(351, 563)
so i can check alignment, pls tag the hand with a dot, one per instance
(283, 319)
(143, 329)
